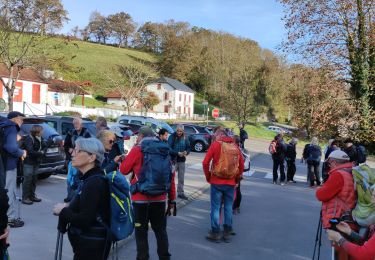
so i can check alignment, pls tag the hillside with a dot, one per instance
(96, 61)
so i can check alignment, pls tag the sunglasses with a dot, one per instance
(111, 141)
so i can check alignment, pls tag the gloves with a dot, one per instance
(172, 206)
(62, 226)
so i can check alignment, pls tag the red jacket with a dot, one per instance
(133, 163)
(213, 154)
(337, 194)
(365, 252)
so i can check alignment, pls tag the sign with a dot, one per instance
(204, 103)
(56, 95)
(215, 113)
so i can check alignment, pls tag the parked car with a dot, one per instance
(54, 158)
(63, 124)
(200, 137)
(155, 124)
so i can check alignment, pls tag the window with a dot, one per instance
(180, 97)
(17, 97)
(189, 98)
(189, 130)
(66, 127)
(185, 97)
(166, 109)
(184, 110)
(137, 122)
(52, 124)
(36, 94)
(124, 121)
(159, 86)
(166, 96)
(189, 111)
(179, 109)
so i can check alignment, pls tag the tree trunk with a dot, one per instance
(10, 99)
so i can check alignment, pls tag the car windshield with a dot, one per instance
(91, 127)
(166, 126)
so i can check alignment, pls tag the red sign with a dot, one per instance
(215, 113)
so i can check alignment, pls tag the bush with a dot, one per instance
(68, 113)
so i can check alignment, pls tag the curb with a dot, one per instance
(180, 204)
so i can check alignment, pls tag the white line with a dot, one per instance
(197, 166)
(300, 178)
(58, 177)
(248, 173)
(269, 176)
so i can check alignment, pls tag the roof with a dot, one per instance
(113, 94)
(56, 85)
(177, 85)
(27, 74)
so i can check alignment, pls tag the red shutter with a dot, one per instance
(166, 109)
(159, 86)
(189, 111)
(36, 94)
(17, 96)
(166, 96)
(180, 97)
(1, 89)
(185, 97)
(189, 98)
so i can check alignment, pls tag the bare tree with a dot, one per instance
(121, 26)
(51, 15)
(98, 26)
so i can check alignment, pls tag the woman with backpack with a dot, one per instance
(112, 155)
(88, 237)
(35, 147)
(312, 154)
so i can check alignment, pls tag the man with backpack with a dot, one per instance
(151, 181)
(223, 175)
(11, 154)
(180, 146)
(73, 135)
(290, 158)
(356, 153)
(312, 154)
(278, 149)
(243, 136)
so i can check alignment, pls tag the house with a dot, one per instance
(61, 93)
(175, 97)
(31, 87)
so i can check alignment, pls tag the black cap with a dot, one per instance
(15, 114)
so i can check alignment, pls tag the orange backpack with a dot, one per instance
(227, 166)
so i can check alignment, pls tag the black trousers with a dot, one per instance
(313, 172)
(291, 170)
(278, 164)
(237, 200)
(153, 212)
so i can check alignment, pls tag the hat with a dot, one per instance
(15, 114)
(340, 155)
(146, 131)
(117, 131)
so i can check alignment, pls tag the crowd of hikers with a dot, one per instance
(101, 206)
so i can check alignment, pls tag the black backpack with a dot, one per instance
(361, 154)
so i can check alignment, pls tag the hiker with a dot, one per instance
(223, 179)
(290, 158)
(337, 193)
(180, 146)
(351, 150)
(163, 135)
(363, 252)
(243, 135)
(88, 237)
(312, 154)
(35, 147)
(148, 208)
(237, 192)
(112, 155)
(278, 157)
(12, 153)
(332, 146)
(101, 124)
(73, 135)
(4, 230)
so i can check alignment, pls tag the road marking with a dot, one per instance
(269, 176)
(58, 177)
(197, 166)
(248, 173)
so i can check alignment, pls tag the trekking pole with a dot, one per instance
(318, 236)
(57, 245)
(61, 244)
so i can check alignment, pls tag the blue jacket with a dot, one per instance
(10, 144)
(178, 144)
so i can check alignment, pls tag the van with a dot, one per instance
(155, 124)
(274, 129)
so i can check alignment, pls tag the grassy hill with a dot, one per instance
(95, 61)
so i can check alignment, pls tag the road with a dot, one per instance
(276, 222)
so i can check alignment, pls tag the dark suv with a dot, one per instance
(199, 136)
(63, 124)
(54, 158)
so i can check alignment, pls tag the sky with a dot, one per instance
(259, 20)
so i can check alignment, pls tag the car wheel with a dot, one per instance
(43, 176)
(199, 147)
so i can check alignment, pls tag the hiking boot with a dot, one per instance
(227, 235)
(213, 237)
(183, 197)
(27, 201)
(35, 199)
(15, 223)
(274, 182)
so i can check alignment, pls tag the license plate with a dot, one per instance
(52, 150)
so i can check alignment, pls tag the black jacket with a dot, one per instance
(70, 139)
(243, 135)
(352, 153)
(3, 214)
(35, 150)
(280, 151)
(291, 152)
(87, 205)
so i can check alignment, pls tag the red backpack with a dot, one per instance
(272, 147)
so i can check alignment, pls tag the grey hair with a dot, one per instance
(180, 127)
(314, 141)
(294, 140)
(78, 119)
(94, 146)
(101, 121)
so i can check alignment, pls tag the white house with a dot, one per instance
(61, 93)
(175, 97)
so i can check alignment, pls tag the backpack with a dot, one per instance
(364, 181)
(122, 214)
(361, 154)
(272, 147)
(314, 153)
(227, 166)
(156, 171)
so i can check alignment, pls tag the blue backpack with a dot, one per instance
(122, 214)
(156, 172)
(315, 153)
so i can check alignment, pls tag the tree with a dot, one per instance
(149, 100)
(21, 46)
(51, 15)
(339, 34)
(98, 26)
(148, 37)
(121, 26)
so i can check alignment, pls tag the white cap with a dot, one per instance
(340, 155)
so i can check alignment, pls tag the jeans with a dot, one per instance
(313, 172)
(153, 212)
(291, 164)
(29, 181)
(276, 164)
(180, 168)
(11, 186)
(219, 194)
